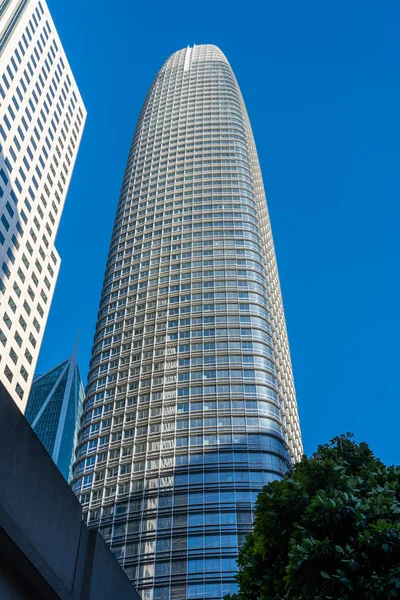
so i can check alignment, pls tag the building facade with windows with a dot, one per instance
(190, 404)
(41, 122)
(54, 410)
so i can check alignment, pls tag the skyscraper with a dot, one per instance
(54, 409)
(190, 405)
(41, 122)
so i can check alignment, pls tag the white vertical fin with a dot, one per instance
(72, 366)
(188, 59)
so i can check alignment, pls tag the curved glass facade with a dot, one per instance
(190, 405)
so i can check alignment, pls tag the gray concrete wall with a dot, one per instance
(45, 549)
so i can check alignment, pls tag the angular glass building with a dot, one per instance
(54, 409)
(190, 405)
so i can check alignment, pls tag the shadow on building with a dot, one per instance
(46, 551)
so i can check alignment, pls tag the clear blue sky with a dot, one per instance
(321, 84)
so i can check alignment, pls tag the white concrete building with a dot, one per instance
(41, 122)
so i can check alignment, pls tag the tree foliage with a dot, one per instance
(329, 530)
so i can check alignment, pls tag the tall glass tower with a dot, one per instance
(190, 405)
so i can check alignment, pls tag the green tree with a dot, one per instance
(329, 530)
